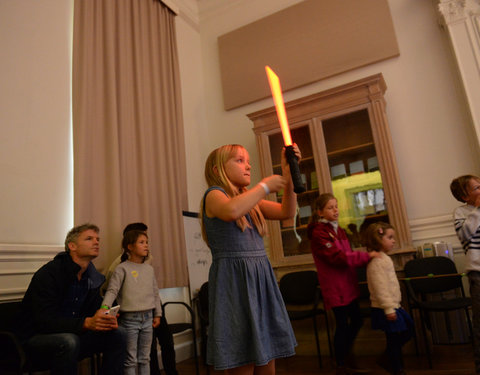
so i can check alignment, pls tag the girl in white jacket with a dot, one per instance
(385, 297)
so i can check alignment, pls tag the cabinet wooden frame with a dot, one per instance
(364, 94)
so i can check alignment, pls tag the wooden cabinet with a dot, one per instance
(347, 150)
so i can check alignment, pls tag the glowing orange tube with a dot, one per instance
(274, 82)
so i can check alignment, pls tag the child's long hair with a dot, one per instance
(130, 238)
(374, 234)
(320, 204)
(218, 177)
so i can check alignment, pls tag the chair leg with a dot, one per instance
(415, 340)
(427, 347)
(203, 348)
(194, 335)
(317, 341)
(469, 322)
(330, 349)
(93, 365)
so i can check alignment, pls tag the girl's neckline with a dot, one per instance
(131, 261)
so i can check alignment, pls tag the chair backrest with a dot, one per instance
(12, 357)
(299, 288)
(364, 297)
(203, 302)
(362, 283)
(8, 313)
(433, 266)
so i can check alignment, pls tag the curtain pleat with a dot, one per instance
(128, 140)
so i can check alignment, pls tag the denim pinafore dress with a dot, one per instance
(248, 322)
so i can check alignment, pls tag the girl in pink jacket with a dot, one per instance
(336, 266)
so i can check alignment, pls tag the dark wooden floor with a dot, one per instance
(447, 360)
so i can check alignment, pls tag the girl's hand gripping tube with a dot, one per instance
(294, 169)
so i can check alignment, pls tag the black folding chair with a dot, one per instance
(435, 277)
(184, 326)
(300, 289)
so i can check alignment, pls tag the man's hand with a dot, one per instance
(156, 321)
(100, 322)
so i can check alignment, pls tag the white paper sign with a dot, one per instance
(199, 257)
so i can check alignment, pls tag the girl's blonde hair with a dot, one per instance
(320, 204)
(374, 235)
(215, 175)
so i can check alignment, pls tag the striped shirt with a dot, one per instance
(467, 225)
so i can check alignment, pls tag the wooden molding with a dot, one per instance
(364, 94)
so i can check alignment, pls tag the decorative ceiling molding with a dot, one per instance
(171, 4)
(212, 10)
(461, 21)
(188, 11)
(215, 8)
(452, 11)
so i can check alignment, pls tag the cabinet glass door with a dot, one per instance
(294, 231)
(347, 149)
(355, 175)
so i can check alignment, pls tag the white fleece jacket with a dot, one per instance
(383, 284)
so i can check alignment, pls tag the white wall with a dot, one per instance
(432, 135)
(430, 127)
(197, 131)
(36, 183)
(35, 146)
(35, 143)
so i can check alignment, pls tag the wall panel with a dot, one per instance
(18, 263)
(304, 43)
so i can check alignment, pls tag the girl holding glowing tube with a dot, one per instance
(249, 326)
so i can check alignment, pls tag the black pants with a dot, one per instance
(395, 341)
(60, 352)
(348, 322)
(165, 340)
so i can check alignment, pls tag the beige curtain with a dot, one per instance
(128, 141)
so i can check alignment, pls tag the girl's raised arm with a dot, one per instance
(218, 204)
(286, 209)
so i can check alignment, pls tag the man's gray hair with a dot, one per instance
(72, 235)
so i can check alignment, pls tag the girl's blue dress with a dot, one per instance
(248, 322)
(403, 322)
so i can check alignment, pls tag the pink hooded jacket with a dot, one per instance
(336, 263)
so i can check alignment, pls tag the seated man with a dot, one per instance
(60, 321)
(162, 333)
